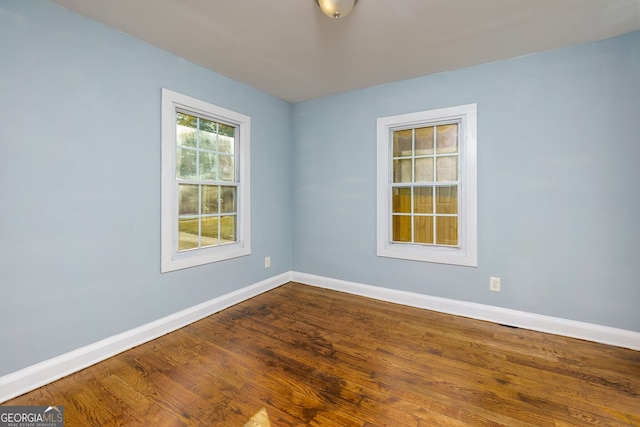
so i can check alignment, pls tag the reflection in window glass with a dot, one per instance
(447, 200)
(402, 170)
(402, 200)
(205, 158)
(226, 168)
(424, 141)
(401, 228)
(210, 199)
(423, 200)
(446, 230)
(186, 167)
(447, 168)
(425, 174)
(402, 143)
(424, 229)
(227, 199)
(188, 199)
(208, 167)
(447, 137)
(424, 169)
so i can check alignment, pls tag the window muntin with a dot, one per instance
(205, 182)
(426, 186)
(425, 169)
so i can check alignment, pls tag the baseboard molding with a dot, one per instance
(32, 377)
(521, 319)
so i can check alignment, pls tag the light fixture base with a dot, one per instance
(336, 8)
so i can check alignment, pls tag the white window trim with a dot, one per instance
(171, 259)
(466, 254)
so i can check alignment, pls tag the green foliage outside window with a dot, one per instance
(204, 125)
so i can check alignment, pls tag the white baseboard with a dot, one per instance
(521, 319)
(32, 377)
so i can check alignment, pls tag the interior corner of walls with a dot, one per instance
(32, 377)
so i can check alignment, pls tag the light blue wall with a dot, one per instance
(558, 203)
(80, 173)
(80, 167)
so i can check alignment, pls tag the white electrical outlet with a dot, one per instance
(267, 262)
(494, 284)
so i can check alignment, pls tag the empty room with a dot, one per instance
(320, 212)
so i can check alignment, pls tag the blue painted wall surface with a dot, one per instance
(558, 204)
(80, 193)
(80, 167)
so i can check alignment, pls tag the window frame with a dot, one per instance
(466, 253)
(171, 258)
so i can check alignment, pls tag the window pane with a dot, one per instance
(423, 200)
(209, 231)
(441, 225)
(401, 200)
(209, 199)
(205, 152)
(207, 166)
(227, 199)
(401, 228)
(402, 143)
(206, 125)
(185, 164)
(447, 230)
(198, 135)
(423, 229)
(227, 171)
(186, 129)
(186, 120)
(226, 144)
(447, 200)
(207, 134)
(187, 234)
(447, 168)
(424, 141)
(186, 136)
(402, 170)
(228, 229)
(226, 130)
(424, 170)
(447, 137)
(187, 199)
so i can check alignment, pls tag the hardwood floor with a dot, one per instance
(322, 358)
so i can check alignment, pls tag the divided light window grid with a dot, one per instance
(206, 195)
(207, 180)
(426, 184)
(425, 178)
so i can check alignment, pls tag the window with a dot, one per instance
(205, 182)
(426, 199)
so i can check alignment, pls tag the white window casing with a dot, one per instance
(465, 253)
(171, 258)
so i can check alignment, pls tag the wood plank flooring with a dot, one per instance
(316, 357)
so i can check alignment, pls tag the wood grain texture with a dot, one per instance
(316, 357)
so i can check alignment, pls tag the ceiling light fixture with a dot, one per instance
(336, 8)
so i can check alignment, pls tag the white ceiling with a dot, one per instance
(289, 49)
